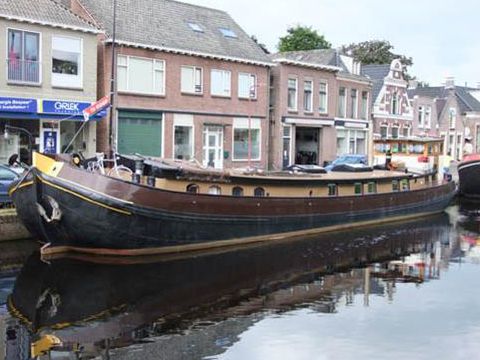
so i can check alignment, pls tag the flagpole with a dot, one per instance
(111, 143)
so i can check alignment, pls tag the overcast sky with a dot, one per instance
(442, 36)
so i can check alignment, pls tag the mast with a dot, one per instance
(111, 147)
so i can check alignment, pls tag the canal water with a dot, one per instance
(406, 290)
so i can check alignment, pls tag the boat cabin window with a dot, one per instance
(358, 188)
(259, 192)
(405, 185)
(214, 190)
(332, 190)
(192, 188)
(372, 187)
(237, 191)
(395, 185)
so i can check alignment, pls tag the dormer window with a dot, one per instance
(195, 27)
(228, 33)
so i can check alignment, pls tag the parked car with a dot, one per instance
(350, 159)
(7, 177)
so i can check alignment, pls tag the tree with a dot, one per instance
(302, 38)
(376, 52)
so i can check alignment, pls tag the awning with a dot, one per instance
(309, 122)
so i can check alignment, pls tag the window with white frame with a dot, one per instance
(451, 144)
(350, 141)
(394, 107)
(458, 151)
(292, 94)
(342, 143)
(364, 106)
(247, 86)
(353, 103)
(183, 136)
(323, 97)
(342, 102)
(191, 79)
(421, 116)
(220, 82)
(406, 131)
(383, 131)
(66, 61)
(452, 117)
(308, 96)
(23, 56)
(395, 129)
(428, 117)
(287, 145)
(140, 75)
(246, 139)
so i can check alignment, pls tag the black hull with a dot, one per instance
(93, 221)
(469, 179)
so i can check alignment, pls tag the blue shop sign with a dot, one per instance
(67, 108)
(19, 105)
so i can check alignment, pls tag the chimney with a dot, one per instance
(449, 82)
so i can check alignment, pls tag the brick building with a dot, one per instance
(319, 108)
(391, 111)
(451, 112)
(49, 77)
(191, 84)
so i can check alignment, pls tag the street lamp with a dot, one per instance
(10, 128)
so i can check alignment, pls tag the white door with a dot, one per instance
(213, 146)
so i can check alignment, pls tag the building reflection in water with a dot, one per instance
(197, 306)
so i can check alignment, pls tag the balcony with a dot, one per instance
(23, 71)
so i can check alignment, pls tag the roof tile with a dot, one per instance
(45, 11)
(164, 23)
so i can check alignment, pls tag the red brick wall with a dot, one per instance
(205, 108)
(281, 73)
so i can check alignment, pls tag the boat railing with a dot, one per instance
(108, 167)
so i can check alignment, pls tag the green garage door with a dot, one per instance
(140, 132)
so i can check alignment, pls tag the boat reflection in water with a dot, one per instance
(198, 306)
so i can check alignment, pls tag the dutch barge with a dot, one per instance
(468, 175)
(174, 208)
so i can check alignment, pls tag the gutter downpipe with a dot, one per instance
(111, 142)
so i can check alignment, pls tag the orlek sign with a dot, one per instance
(65, 107)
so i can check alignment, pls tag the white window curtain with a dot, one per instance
(247, 86)
(220, 82)
(191, 79)
(140, 75)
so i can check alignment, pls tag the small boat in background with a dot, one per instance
(414, 153)
(157, 207)
(469, 176)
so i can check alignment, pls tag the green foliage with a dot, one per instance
(302, 38)
(375, 52)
